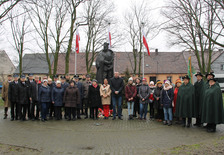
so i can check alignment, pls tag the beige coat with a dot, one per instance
(5, 89)
(105, 91)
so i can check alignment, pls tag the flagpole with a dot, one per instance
(75, 62)
(143, 57)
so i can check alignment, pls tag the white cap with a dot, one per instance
(130, 79)
(151, 83)
(45, 80)
(57, 82)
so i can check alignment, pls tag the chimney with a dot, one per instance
(156, 51)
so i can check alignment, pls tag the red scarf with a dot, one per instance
(95, 86)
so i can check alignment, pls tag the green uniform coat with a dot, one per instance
(199, 90)
(212, 110)
(185, 101)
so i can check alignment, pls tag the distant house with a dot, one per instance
(158, 66)
(35, 63)
(6, 66)
(218, 64)
(215, 55)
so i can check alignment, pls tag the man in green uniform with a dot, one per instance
(212, 109)
(199, 89)
(209, 76)
(185, 102)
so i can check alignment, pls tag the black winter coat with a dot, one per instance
(116, 84)
(167, 98)
(94, 98)
(24, 93)
(157, 93)
(13, 92)
(34, 91)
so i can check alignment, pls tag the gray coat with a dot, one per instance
(144, 92)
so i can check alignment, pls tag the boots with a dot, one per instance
(169, 123)
(129, 117)
(6, 111)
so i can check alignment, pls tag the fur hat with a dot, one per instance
(152, 83)
(168, 82)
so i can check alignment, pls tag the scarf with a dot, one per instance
(167, 88)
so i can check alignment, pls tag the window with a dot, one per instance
(169, 78)
(153, 78)
(181, 77)
(222, 67)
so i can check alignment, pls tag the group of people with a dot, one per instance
(182, 100)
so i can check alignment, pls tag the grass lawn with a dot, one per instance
(1, 101)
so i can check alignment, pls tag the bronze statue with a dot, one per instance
(105, 64)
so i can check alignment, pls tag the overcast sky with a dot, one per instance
(160, 41)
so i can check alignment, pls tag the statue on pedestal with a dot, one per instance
(105, 64)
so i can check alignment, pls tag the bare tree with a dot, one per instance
(7, 6)
(216, 7)
(72, 10)
(60, 14)
(40, 13)
(97, 13)
(19, 29)
(185, 17)
(137, 17)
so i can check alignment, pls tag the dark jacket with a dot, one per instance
(167, 98)
(44, 94)
(64, 85)
(94, 99)
(144, 93)
(86, 88)
(79, 85)
(116, 84)
(13, 92)
(199, 92)
(34, 91)
(130, 92)
(24, 93)
(71, 97)
(57, 96)
(157, 94)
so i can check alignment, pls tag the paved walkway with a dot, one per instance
(101, 137)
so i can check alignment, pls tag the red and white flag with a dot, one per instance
(77, 41)
(109, 37)
(146, 44)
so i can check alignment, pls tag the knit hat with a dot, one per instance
(151, 83)
(130, 79)
(144, 79)
(178, 81)
(45, 80)
(94, 80)
(159, 82)
(168, 82)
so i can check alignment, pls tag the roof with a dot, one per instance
(35, 63)
(161, 62)
(6, 65)
(194, 61)
(156, 63)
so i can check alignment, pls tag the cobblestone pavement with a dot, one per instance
(100, 137)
